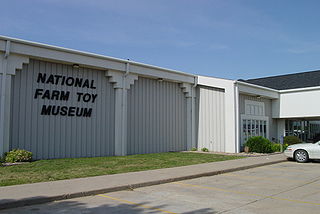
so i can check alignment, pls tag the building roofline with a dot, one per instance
(312, 88)
(256, 86)
(89, 54)
(283, 75)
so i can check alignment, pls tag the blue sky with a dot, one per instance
(223, 38)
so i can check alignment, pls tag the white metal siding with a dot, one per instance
(0, 94)
(211, 132)
(49, 136)
(156, 117)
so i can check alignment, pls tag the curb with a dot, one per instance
(41, 200)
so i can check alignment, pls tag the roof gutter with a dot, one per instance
(256, 86)
(52, 47)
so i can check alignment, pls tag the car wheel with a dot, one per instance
(301, 156)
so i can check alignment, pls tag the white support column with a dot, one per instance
(8, 65)
(121, 83)
(120, 122)
(236, 124)
(4, 104)
(193, 118)
(187, 90)
(281, 129)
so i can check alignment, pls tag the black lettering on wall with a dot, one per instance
(64, 111)
(55, 110)
(64, 80)
(38, 93)
(94, 96)
(69, 81)
(50, 79)
(64, 95)
(87, 112)
(41, 78)
(57, 78)
(78, 82)
(46, 110)
(86, 84)
(71, 111)
(92, 85)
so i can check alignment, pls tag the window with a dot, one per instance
(253, 127)
(253, 121)
(254, 108)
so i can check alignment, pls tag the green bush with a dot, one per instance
(276, 147)
(2, 159)
(18, 155)
(259, 144)
(205, 150)
(290, 140)
(285, 146)
(194, 149)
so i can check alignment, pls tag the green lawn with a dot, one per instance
(58, 169)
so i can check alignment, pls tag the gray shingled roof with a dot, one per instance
(288, 81)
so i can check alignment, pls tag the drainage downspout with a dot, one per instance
(236, 103)
(124, 107)
(193, 118)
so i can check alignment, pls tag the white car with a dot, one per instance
(303, 152)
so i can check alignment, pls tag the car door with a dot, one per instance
(314, 151)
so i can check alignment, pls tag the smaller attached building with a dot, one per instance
(297, 110)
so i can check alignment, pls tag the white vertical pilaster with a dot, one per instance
(187, 90)
(236, 123)
(193, 118)
(121, 84)
(8, 66)
(281, 129)
(189, 123)
(4, 126)
(120, 122)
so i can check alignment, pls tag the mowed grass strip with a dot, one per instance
(59, 169)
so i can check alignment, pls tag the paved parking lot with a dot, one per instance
(287, 187)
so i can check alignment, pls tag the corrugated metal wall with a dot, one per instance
(211, 119)
(156, 117)
(0, 89)
(268, 112)
(49, 136)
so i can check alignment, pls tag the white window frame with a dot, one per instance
(253, 118)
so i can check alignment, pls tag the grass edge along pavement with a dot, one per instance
(68, 168)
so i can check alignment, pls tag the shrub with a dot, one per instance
(194, 149)
(18, 155)
(285, 146)
(290, 140)
(276, 147)
(2, 159)
(205, 150)
(259, 144)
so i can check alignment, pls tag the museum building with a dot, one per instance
(60, 103)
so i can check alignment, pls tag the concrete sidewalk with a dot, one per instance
(27, 194)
